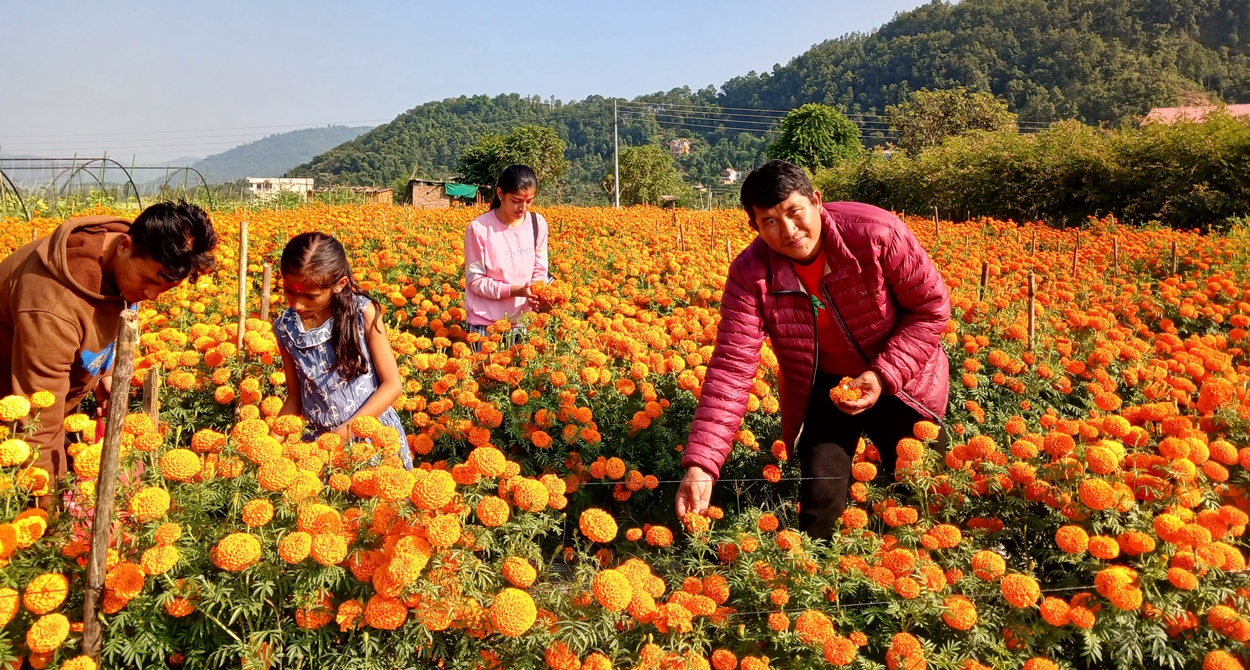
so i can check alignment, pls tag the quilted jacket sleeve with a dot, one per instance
(924, 304)
(727, 385)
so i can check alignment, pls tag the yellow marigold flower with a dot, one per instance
(597, 525)
(36, 480)
(348, 615)
(9, 603)
(14, 452)
(180, 465)
(277, 474)
(159, 559)
(46, 592)
(531, 496)
(13, 407)
(365, 426)
(513, 612)
(443, 530)
(236, 552)
(79, 663)
(42, 399)
(77, 423)
(28, 530)
(257, 512)
(48, 632)
(288, 424)
(149, 503)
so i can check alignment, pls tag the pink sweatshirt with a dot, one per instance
(496, 258)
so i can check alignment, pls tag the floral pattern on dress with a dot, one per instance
(327, 398)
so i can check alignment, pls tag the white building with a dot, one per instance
(678, 147)
(269, 187)
(729, 176)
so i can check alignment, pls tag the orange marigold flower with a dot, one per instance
(1218, 659)
(1020, 590)
(597, 525)
(905, 653)
(519, 572)
(1072, 539)
(47, 633)
(433, 490)
(257, 512)
(612, 590)
(159, 559)
(493, 511)
(149, 503)
(385, 613)
(813, 627)
(988, 565)
(295, 547)
(659, 536)
(46, 592)
(960, 613)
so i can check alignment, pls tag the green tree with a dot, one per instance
(536, 146)
(816, 136)
(647, 172)
(931, 116)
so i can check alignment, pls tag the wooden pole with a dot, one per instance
(937, 226)
(266, 287)
(1032, 309)
(985, 279)
(242, 283)
(1174, 260)
(1115, 253)
(729, 254)
(1034, 248)
(106, 482)
(967, 238)
(152, 395)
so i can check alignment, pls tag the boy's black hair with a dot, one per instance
(772, 183)
(179, 236)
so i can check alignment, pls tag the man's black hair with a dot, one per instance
(773, 182)
(177, 235)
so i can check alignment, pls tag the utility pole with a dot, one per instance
(616, 160)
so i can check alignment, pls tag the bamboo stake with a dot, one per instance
(106, 482)
(729, 255)
(1115, 253)
(937, 226)
(1034, 241)
(1032, 309)
(242, 283)
(266, 287)
(966, 242)
(985, 279)
(152, 396)
(1174, 257)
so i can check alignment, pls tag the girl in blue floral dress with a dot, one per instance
(335, 353)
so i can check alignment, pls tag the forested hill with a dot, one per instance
(274, 155)
(1094, 60)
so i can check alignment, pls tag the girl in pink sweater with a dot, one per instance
(505, 252)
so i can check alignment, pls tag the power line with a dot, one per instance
(767, 113)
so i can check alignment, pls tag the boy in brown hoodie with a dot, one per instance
(61, 298)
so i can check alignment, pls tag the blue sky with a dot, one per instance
(172, 79)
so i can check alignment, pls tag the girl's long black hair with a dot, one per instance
(320, 259)
(514, 179)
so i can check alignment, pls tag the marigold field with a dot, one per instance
(1091, 511)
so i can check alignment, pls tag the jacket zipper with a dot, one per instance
(815, 362)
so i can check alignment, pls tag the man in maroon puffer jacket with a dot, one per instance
(840, 289)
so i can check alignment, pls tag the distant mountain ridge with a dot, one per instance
(1098, 61)
(275, 155)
